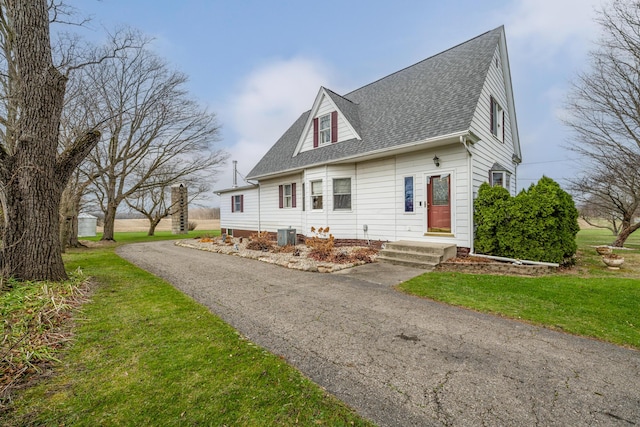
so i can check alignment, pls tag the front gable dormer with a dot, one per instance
(332, 119)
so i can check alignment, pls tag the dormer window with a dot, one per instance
(325, 129)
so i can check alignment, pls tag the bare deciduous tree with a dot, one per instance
(604, 113)
(152, 124)
(155, 202)
(609, 195)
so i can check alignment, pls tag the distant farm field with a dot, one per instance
(126, 225)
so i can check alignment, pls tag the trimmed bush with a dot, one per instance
(539, 224)
(490, 217)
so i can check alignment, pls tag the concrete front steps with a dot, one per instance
(416, 254)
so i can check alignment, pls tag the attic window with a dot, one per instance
(497, 120)
(324, 129)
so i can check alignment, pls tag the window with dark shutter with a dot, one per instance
(287, 195)
(334, 126)
(492, 122)
(324, 129)
(496, 115)
(293, 195)
(315, 133)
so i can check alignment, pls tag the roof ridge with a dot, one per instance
(338, 95)
(421, 61)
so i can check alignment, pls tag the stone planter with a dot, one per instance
(603, 250)
(613, 261)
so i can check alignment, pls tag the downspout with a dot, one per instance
(259, 208)
(465, 144)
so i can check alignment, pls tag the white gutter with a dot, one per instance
(515, 261)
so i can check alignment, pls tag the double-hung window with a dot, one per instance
(342, 194)
(237, 203)
(287, 195)
(324, 129)
(316, 194)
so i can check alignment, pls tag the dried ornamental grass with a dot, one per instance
(32, 328)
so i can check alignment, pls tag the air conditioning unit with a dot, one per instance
(286, 236)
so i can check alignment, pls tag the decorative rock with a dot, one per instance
(296, 259)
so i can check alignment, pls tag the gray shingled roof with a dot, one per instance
(434, 97)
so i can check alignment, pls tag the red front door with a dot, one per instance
(439, 204)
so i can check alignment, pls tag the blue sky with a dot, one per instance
(259, 64)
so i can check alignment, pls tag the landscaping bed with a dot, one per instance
(299, 257)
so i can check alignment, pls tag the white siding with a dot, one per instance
(316, 217)
(376, 199)
(272, 216)
(490, 149)
(245, 220)
(344, 130)
(342, 222)
(454, 161)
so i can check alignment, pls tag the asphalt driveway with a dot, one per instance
(401, 360)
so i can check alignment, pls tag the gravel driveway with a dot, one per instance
(401, 360)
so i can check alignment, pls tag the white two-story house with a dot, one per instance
(401, 158)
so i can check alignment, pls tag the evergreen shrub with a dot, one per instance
(539, 224)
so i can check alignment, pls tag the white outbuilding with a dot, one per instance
(87, 225)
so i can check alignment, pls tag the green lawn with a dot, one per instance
(146, 354)
(588, 299)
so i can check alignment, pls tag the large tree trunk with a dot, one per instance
(32, 174)
(109, 222)
(31, 249)
(32, 186)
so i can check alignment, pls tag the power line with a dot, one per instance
(548, 161)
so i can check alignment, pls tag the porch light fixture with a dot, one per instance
(436, 161)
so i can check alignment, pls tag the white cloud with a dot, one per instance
(266, 103)
(544, 28)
